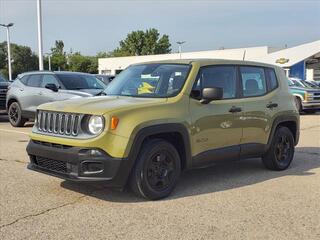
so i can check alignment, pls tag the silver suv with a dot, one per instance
(31, 89)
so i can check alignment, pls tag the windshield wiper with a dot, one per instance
(102, 93)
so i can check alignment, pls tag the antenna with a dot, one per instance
(244, 55)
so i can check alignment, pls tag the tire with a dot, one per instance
(280, 154)
(15, 115)
(156, 171)
(298, 103)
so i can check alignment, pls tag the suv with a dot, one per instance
(160, 118)
(4, 84)
(31, 89)
(306, 96)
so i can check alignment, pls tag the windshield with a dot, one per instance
(80, 81)
(150, 80)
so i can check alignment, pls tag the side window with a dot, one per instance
(224, 77)
(253, 81)
(47, 78)
(34, 80)
(24, 79)
(272, 79)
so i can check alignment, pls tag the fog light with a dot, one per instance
(92, 167)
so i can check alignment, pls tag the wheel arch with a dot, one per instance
(291, 122)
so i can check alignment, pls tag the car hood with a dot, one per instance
(84, 92)
(100, 105)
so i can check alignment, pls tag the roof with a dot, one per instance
(293, 54)
(208, 61)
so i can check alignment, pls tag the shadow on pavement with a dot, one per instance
(213, 179)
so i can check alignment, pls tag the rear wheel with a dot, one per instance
(15, 115)
(280, 154)
(298, 103)
(157, 170)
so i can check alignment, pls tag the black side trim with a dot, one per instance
(252, 150)
(215, 156)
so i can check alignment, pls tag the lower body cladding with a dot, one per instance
(77, 164)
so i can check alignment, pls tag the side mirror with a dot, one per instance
(52, 87)
(210, 94)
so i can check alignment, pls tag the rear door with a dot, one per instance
(30, 94)
(260, 102)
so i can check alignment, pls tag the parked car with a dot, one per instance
(314, 83)
(195, 113)
(4, 84)
(31, 89)
(307, 97)
(105, 78)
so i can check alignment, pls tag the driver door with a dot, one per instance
(216, 130)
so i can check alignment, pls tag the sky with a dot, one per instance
(91, 26)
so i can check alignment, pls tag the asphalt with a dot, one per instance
(240, 200)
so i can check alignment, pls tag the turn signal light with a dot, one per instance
(114, 123)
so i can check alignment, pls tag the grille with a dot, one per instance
(58, 123)
(50, 164)
(54, 145)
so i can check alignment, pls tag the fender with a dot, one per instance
(281, 119)
(298, 95)
(134, 146)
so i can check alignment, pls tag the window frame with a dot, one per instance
(40, 81)
(237, 95)
(239, 86)
(58, 81)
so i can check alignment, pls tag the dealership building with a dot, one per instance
(302, 61)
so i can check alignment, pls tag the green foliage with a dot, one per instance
(143, 43)
(58, 58)
(23, 59)
(80, 63)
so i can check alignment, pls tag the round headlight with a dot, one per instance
(95, 125)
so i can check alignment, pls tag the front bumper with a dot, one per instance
(77, 163)
(311, 105)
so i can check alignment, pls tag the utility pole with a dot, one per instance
(40, 47)
(180, 50)
(49, 58)
(7, 26)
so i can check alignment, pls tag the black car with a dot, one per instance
(4, 83)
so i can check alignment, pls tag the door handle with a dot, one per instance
(272, 105)
(39, 93)
(235, 109)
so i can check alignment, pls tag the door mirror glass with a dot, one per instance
(210, 94)
(52, 87)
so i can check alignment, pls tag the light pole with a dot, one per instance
(49, 58)
(40, 35)
(7, 26)
(180, 43)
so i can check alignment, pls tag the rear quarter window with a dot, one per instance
(272, 80)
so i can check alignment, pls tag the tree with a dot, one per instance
(80, 63)
(59, 58)
(24, 59)
(143, 43)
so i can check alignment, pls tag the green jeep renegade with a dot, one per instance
(158, 119)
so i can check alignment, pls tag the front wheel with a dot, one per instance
(280, 154)
(156, 171)
(15, 115)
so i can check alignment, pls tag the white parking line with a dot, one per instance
(13, 131)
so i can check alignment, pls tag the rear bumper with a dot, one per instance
(77, 164)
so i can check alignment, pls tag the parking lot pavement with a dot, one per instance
(241, 200)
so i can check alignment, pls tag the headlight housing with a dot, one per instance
(95, 124)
